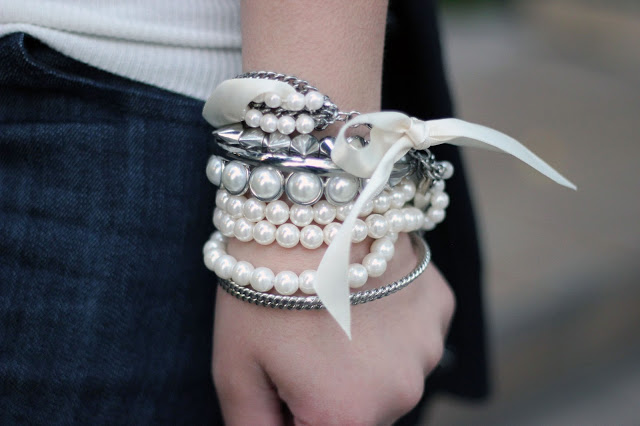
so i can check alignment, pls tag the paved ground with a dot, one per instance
(563, 271)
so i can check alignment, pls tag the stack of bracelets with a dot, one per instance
(278, 184)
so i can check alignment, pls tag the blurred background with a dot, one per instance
(562, 267)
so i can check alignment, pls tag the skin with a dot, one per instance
(274, 367)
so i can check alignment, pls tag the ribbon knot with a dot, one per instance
(418, 132)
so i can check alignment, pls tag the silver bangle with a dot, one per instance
(313, 302)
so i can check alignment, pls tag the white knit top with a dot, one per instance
(186, 46)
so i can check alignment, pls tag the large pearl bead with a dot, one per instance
(211, 257)
(304, 188)
(301, 215)
(288, 235)
(395, 218)
(311, 237)
(360, 231)
(253, 117)
(277, 212)
(264, 232)
(357, 276)
(254, 209)
(243, 230)
(384, 247)
(307, 282)
(269, 123)
(378, 226)
(235, 177)
(329, 232)
(324, 212)
(342, 189)
(262, 279)
(286, 283)
(294, 102)
(382, 203)
(224, 266)
(215, 165)
(286, 125)
(272, 100)
(242, 273)
(440, 200)
(266, 183)
(235, 205)
(313, 100)
(375, 264)
(305, 124)
(222, 197)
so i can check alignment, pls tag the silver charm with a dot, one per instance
(304, 145)
(278, 143)
(252, 139)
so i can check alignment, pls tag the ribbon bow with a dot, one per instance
(393, 134)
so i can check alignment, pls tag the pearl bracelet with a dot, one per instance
(263, 279)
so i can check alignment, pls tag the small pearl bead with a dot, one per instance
(448, 169)
(243, 230)
(235, 205)
(384, 247)
(313, 100)
(226, 225)
(213, 245)
(254, 209)
(272, 100)
(358, 275)
(382, 203)
(305, 124)
(397, 198)
(269, 123)
(286, 125)
(343, 211)
(307, 282)
(301, 215)
(262, 279)
(438, 186)
(330, 232)
(277, 212)
(264, 232)
(393, 236)
(217, 236)
(286, 282)
(253, 118)
(242, 273)
(324, 212)
(311, 237)
(375, 264)
(367, 209)
(378, 226)
(360, 231)
(214, 169)
(396, 220)
(211, 257)
(408, 188)
(427, 224)
(221, 199)
(224, 266)
(436, 215)
(217, 217)
(294, 102)
(288, 235)
(411, 222)
(440, 200)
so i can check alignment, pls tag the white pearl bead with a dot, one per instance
(242, 273)
(343, 211)
(395, 218)
(214, 169)
(217, 236)
(313, 100)
(235, 204)
(217, 217)
(311, 237)
(286, 125)
(243, 230)
(262, 279)
(393, 236)
(428, 224)
(366, 209)
(397, 198)
(224, 266)
(330, 231)
(235, 177)
(408, 188)
(411, 222)
(269, 123)
(264, 232)
(226, 225)
(357, 276)
(253, 117)
(438, 186)
(294, 102)
(375, 264)
(448, 169)
(342, 189)
(440, 200)
(288, 235)
(436, 215)
(211, 257)
(382, 203)
(378, 226)
(221, 199)
(277, 212)
(304, 188)
(286, 283)
(301, 215)
(272, 100)
(324, 212)
(307, 282)
(305, 124)
(213, 245)
(254, 209)
(360, 231)
(384, 247)
(266, 183)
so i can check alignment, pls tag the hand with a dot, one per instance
(271, 367)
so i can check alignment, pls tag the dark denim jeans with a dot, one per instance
(105, 304)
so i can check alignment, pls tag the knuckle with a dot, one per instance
(434, 353)
(409, 393)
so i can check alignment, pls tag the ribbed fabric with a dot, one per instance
(186, 46)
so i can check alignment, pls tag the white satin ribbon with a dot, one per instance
(393, 134)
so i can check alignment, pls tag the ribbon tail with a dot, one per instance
(462, 133)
